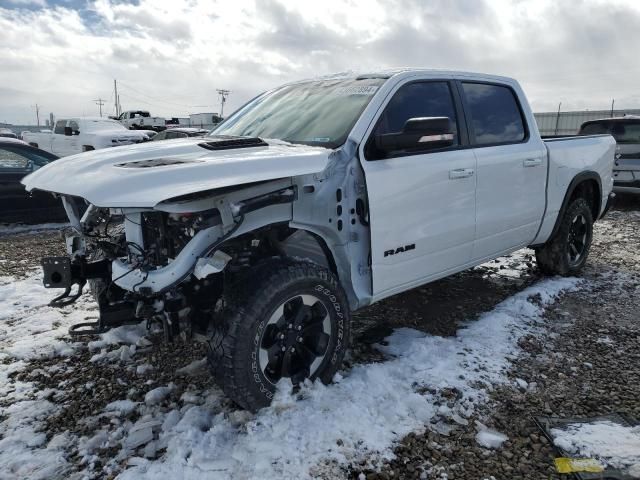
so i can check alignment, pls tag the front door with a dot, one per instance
(422, 203)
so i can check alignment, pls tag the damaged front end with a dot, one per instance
(172, 264)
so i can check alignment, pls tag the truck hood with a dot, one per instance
(146, 174)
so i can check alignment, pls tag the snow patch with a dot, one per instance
(157, 395)
(615, 445)
(489, 438)
(123, 407)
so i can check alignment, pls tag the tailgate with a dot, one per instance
(628, 157)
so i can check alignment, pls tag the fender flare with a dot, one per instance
(577, 180)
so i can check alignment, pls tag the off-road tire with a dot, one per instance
(552, 257)
(234, 348)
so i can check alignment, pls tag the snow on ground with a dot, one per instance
(322, 428)
(13, 228)
(489, 438)
(614, 445)
(364, 412)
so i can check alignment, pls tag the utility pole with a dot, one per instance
(555, 132)
(100, 103)
(223, 98)
(116, 97)
(37, 114)
(613, 102)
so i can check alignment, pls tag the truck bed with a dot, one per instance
(569, 157)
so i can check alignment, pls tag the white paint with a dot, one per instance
(96, 177)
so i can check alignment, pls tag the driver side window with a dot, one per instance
(415, 100)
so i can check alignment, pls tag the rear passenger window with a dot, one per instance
(495, 114)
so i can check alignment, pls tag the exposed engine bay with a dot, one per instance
(168, 266)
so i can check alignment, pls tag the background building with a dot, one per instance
(568, 123)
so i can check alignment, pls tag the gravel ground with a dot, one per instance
(588, 365)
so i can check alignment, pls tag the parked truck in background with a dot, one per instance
(626, 131)
(204, 120)
(82, 134)
(141, 120)
(314, 200)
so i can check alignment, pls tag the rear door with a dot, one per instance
(511, 169)
(421, 204)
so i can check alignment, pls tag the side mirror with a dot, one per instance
(420, 133)
(67, 131)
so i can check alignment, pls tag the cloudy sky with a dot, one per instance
(170, 56)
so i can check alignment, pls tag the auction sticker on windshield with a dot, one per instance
(356, 90)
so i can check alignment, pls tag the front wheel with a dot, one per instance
(567, 251)
(290, 321)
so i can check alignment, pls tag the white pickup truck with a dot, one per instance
(316, 199)
(82, 134)
(141, 120)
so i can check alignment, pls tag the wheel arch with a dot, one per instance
(587, 185)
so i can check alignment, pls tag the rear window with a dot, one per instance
(495, 114)
(623, 132)
(596, 128)
(626, 132)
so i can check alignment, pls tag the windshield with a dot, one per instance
(320, 112)
(95, 125)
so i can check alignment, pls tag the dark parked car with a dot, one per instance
(18, 159)
(180, 132)
(626, 131)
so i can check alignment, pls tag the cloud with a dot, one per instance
(26, 3)
(170, 57)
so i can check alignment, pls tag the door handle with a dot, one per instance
(461, 173)
(532, 162)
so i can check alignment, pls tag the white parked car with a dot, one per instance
(7, 133)
(314, 200)
(81, 134)
(141, 120)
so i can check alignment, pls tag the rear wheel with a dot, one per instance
(289, 322)
(566, 253)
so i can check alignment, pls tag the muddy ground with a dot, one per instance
(588, 364)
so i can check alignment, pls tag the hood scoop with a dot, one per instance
(155, 162)
(227, 143)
